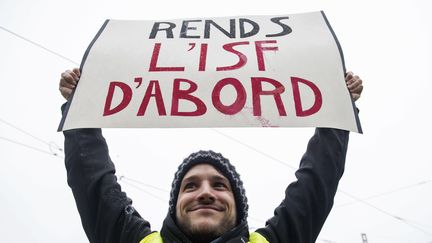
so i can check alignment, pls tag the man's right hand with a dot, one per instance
(68, 82)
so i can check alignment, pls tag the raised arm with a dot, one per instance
(106, 213)
(308, 201)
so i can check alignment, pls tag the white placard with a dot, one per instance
(252, 71)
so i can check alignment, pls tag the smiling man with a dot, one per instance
(207, 200)
(203, 202)
(205, 205)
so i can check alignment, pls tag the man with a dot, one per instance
(207, 200)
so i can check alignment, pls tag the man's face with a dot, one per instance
(205, 205)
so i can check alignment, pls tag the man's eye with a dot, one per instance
(220, 185)
(189, 186)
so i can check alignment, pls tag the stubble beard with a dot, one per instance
(204, 233)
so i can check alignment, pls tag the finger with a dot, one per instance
(348, 76)
(66, 76)
(355, 96)
(65, 92)
(354, 82)
(67, 80)
(77, 72)
(354, 79)
(73, 74)
(357, 89)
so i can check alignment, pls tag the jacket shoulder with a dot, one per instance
(154, 237)
(256, 237)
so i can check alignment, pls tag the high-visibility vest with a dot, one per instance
(155, 237)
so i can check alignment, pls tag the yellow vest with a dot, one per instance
(155, 237)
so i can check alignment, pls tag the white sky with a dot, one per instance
(388, 43)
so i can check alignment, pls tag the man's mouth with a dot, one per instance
(206, 207)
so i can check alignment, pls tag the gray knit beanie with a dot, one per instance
(223, 165)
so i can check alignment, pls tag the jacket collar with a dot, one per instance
(171, 233)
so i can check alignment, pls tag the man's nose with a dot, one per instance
(206, 193)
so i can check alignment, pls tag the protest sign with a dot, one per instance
(253, 71)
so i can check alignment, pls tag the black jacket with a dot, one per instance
(107, 214)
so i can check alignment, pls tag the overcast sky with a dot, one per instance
(387, 185)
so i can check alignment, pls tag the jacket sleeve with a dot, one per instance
(308, 201)
(106, 213)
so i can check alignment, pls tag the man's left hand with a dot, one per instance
(354, 84)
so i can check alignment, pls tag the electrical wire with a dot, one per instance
(342, 191)
(142, 183)
(126, 179)
(25, 132)
(254, 149)
(51, 145)
(386, 193)
(326, 240)
(30, 147)
(123, 177)
(38, 45)
(145, 191)
(238, 141)
(403, 220)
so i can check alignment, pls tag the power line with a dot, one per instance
(145, 191)
(238, 141)
(254, 149)
(142, 183)
(30, 147)
(125, 179)
(51, 145)
(25, 132)
(407, 222)
(389, 214)
(327, 241)
(70, 60)
(38, 45)
(343, 192)
(386, 193)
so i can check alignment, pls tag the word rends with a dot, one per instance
(193, 28)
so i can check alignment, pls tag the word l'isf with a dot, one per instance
(260, 47)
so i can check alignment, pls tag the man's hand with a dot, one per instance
(354, 84)
(68, 82)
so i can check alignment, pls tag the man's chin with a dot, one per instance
(205, 228)
(204, 231)
(205, 225)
